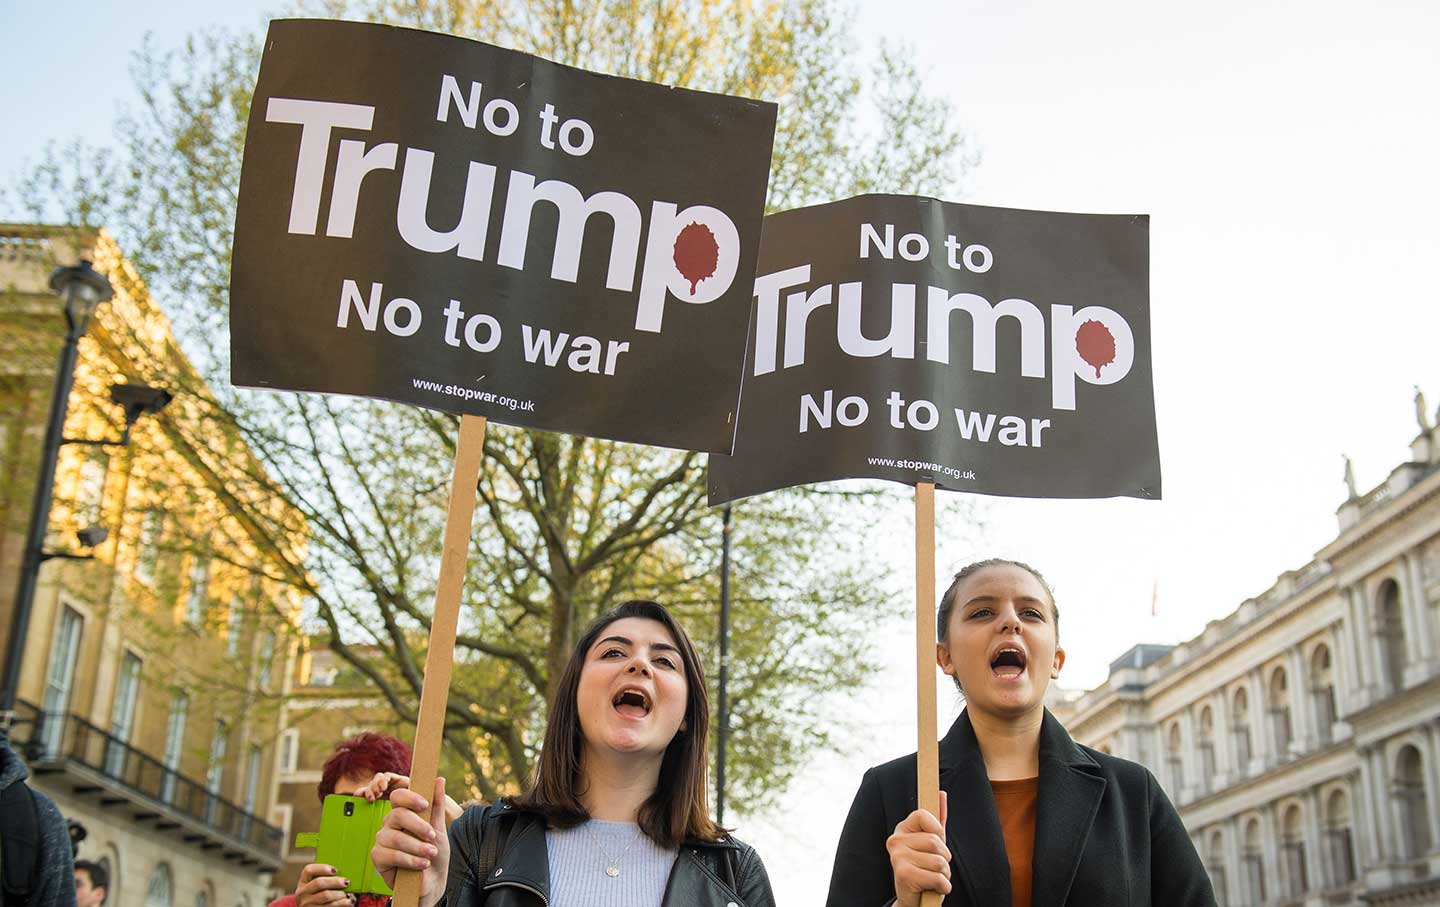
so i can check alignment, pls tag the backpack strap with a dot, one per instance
(19, 842)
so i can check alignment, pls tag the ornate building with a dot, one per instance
(1300, 736)
(157, 659)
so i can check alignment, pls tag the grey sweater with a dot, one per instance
(55, 868)
(580, 856)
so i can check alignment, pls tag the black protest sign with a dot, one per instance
(988, 350)
(432, 220)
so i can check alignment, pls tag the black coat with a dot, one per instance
(723, 874)
(1105, 833)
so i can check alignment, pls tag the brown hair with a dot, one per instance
(947, 601)
(679, 809)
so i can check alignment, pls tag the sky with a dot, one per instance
(1286, 153)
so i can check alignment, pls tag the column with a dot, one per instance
(1365, 675)
(1270, 846)
(1234, 865)
(1384, 805)
(1414, 617)
(1262, 747)
(1190, 756)
(1419, 607)
(1432, 781)
(1343, 669)
(1317, 858)
(1302, 700)
(1367, 821)
(1224, 743)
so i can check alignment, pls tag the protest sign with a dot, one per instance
(989, 350)
(432, 220)
(436, 221)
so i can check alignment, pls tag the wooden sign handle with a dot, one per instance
(435, 690)
(927, 751)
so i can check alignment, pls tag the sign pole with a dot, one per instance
(435, 690)
(927, 759)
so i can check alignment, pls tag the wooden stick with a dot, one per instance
(927, 759)
(435, 691)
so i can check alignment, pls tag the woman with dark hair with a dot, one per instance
(1033, 818)
(618, 813)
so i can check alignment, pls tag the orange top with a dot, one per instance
(1015, 802)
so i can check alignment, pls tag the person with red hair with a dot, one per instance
(363, 766)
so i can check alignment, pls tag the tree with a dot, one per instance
(568, 524)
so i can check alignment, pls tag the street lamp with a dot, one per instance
(84, 289)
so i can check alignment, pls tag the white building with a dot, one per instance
(1300, 736)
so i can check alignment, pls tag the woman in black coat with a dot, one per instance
(1033, 818)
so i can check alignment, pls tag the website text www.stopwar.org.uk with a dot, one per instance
(921, 466)
(469, 393)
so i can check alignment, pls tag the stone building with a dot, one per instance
(154, 670)
(1300, 735)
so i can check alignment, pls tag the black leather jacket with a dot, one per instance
(724, 874)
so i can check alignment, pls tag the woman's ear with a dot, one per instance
(942, 658)
(1057, 664)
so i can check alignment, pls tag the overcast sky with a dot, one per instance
(1286, 153)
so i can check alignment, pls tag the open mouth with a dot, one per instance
(632, 703)
(1008, 662)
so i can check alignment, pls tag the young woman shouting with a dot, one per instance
(618, 814)
(1028, 817)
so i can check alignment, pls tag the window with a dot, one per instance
(199, 590)
(122, 716)
(147, 547)
(174, 744)
(215, 774)
(1392, 635)
(1207, 749)
(289, 749)
(1410, 794)
(1254, 861)
(1339, 839)
(234, 619)
(252, 779)
(1174, 758)
(267, 657)
(1280, 727)
(90, 494)
(1322, 690)
(1297, 878)
(1240, 731)
(58, 679)
(1215, 866)
(161, 891)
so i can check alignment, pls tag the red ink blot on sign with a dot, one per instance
(1095, 344)
(696, 254)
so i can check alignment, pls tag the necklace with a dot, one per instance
(612, 864)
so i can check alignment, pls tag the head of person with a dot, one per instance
(92, 884)
(632, 694)
(998, 636)
(355, 761)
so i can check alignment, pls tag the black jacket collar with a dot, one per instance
(1069, 796)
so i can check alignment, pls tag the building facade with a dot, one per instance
(1300, 735)
(154, 669)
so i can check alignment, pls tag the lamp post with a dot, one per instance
(84, 289)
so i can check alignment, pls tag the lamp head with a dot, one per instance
(83, 287)
(139, 400)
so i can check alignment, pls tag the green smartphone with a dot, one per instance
(347, 832)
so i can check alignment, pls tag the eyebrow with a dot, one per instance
(983, 599)
(630, 642)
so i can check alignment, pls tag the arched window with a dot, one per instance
(1322, 690)
(1410, 797)
(1240, 730)
(1292, 838)
(1215, 865)
(1391, 630)
(160, 893)
(1173, 756)
(1207, 749)
(1339, 838)
(1254, 859)
(1280, 727)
